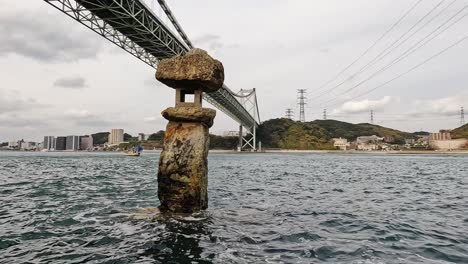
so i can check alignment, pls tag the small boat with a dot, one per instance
(132, 154)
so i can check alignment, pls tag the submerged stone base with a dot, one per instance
(183, 167)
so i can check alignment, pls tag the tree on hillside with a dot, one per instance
(159, 136)
(100, 138)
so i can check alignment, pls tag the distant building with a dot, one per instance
(442, 135)
(341, 143)
(116, 136)
(49, 143)
(389, 139)
(86, 143)
(409, 141)
(13, 144)
(369, 143)
(231, 134)
(369, 139)
(27, 145)
(142, 136)
(443, 141)
(73, 143)
(61, 143)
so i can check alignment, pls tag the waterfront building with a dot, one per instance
(142, 136)
(369, 143)
(27, 145)
(341, 143)
(116, 136)
(443, 141)
(86, 143)
(61, 143)
(13, 144)
(389, 139)
(73, 143)
(49, 143)
(442, 135)
(367, 139)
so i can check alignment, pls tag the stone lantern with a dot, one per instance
(183, 165)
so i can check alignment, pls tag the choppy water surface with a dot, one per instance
(264, 208)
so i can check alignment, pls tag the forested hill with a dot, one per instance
(289, 134)
(461, 132)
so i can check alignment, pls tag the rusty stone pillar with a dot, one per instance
(183, 165)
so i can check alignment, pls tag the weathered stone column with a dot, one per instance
(183, 165)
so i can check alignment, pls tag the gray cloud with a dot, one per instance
(442, 107)
(87, 119)
(12, 101)
(71, 82)
(210, 41)
(16, 121)
(47, 39)
(363, 106)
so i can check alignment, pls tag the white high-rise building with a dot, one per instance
(86, 143)
(26, 145)
(142, 136)
(73, 143)
(49, 143)
(13, 144)
(116, 136)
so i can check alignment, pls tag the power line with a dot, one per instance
(391, 48)
(372, 46)
(410, 70)
(405, 54)
(409, 51)
(302, 103)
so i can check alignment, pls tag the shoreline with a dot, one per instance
(422, 152)
(285, 151)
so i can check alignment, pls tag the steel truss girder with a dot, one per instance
(132, 26)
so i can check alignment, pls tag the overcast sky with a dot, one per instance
(60, 78)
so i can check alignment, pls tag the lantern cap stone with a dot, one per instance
(194, 70)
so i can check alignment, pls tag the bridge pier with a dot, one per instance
(183, 165)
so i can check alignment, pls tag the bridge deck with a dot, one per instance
(131, 25)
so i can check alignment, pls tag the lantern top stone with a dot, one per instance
(192, 71)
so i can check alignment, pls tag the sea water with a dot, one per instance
(263, 208)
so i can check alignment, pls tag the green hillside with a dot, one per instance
(289, 134)
(100, 138)
(461, 132)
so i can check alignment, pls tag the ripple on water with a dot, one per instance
(288, 208)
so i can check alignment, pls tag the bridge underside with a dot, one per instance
(132, 26)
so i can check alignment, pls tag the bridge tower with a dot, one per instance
(248, 140)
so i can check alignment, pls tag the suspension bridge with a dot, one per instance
(136, 27)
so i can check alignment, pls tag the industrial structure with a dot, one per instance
(134, 27)
(289, 113)
(462, 116)
(301, 102)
